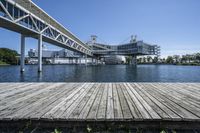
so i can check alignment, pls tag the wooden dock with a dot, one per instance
(137, 104)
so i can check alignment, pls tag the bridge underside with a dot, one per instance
(7, 24)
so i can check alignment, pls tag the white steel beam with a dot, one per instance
(57, 36)
(44, 29)
(23, 17)
(5, 10)
(34, 23)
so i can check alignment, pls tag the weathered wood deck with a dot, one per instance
(101, 102)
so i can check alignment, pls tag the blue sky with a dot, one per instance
(172, 24)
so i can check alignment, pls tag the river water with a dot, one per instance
(101, 73)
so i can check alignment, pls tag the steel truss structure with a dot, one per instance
(24, 17)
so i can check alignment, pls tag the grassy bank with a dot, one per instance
(188, 64)
(3, 63)
(183, 64)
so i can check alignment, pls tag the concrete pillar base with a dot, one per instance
(133, 60)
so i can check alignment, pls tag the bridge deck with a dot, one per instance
(100, 102)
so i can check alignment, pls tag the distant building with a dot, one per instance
(113, 59)
(63, 56)
(64, 53)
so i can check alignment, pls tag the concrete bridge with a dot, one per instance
(26, 18)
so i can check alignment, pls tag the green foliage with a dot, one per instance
(8, 56)
(128, 59)
(56, 131)
(173, 131)
(163, 131)
(139, 130)
(2, 63)
(89, 129)
(155, 59)
(197, 56)
(169, 60)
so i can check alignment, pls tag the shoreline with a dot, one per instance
(111, 64)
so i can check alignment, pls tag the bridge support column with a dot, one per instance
(92, 60)
(134, 60)
(22, 57)
(40, 53)
(96, 61)
(80, 60)
(85, 59)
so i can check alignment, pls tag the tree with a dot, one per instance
(183, 59)
(139, 60)
(197, 57)
(144, 59)
(155, 59)
(163, 60)
(149, 58)
(8, 56)
(169, 60)
(189, 58)
(128, 59)
(176, 58)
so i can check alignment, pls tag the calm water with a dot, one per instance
(103, 73)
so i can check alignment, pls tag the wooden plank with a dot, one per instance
(182, 102)
(142, 110)
(44, 105)
(20, 104)
(84, 113)
(116, 103)
(95, 106)
(124, 105)
(26, 107)
(153, 114)
(175, 107)
(184, 93)
(70, 109)
(12, 87)
(57, 99)
(103, 104)
(16, 93)
(76, 112)
(60, 108)
(196, 85)
(5, 86)
(135, 112)
(156, 105)
(193, 87)
(100, 101)
(110, 110)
